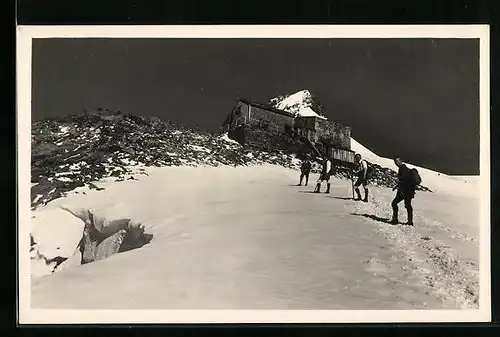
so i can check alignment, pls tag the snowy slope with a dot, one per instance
(299, 104)
(436, 181)
(171, 147)
(243, 238)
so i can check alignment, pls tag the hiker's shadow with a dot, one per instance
(375, 217)
(342, 198)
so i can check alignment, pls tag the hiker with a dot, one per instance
(408, 180)
(324, 176)
(305, 169)
(361, 173)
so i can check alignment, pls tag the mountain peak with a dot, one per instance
(301, 103)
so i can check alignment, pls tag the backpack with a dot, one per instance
(369, 170)
(414, 177)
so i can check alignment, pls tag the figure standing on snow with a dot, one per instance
(325, 176)
(305, 169)
(408, 180)
(361, 172)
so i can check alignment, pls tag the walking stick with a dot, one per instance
(352, 184)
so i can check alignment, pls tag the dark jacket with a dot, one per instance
(306, 167)
(404, 184)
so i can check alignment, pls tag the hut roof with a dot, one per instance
(266, 107)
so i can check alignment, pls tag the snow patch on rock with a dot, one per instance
(299, 104)
(225, 137)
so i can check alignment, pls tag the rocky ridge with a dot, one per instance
(78, 150)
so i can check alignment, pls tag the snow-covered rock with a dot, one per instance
(300, 104)
(55, 237)
(225, 137)
(48, 226)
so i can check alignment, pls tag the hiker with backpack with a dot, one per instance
(408, 180)
(305, 169)
(324, 176)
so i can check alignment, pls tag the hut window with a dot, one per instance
(240, 121)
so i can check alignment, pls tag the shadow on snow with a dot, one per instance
(374, 217)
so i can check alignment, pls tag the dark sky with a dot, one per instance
(418, 98)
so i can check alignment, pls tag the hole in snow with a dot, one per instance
(119, 236)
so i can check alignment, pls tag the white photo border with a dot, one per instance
(27, 315)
